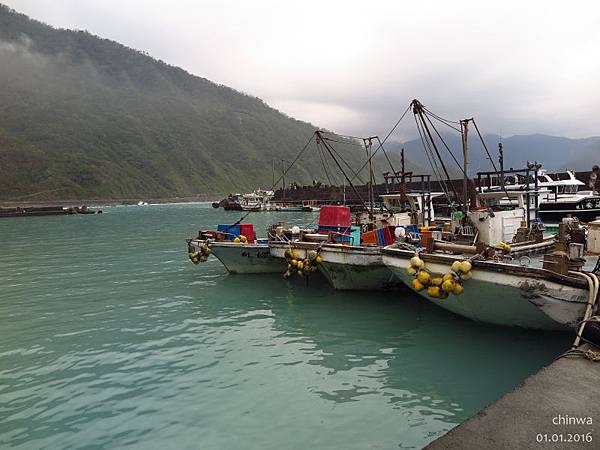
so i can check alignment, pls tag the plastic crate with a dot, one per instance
(334, 216)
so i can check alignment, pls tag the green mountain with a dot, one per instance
(86, 117)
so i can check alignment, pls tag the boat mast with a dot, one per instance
(283, 179)
(501, 161)
(369, 144)
(464, 125)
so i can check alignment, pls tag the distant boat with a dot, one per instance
(294, 209)
(559, 196)
(142, 203)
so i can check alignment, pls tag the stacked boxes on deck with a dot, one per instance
(381, 236)
(336, 220)
(233, 231)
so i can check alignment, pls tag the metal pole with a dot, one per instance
(465, 138)
(501, 161)
(370, 156)
(283, 179)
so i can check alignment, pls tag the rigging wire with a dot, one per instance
(441, 119)
(282, 175)
(356, 175)
(417, 109)
(321, 156)
(433, 163)
(490, 158)
(386, 155)
(462, 169)
(328, 148)
(385, 139)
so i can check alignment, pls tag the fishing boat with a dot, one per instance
(259, 200)
(237, 248)
(293, 208)
(494, 262)
(349, 253)
(346, 267)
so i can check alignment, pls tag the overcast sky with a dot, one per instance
(519, 67)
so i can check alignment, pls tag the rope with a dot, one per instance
(594, 287)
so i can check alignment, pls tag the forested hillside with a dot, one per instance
(85, 117)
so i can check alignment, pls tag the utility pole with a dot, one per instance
(273, 171)
(464, 125)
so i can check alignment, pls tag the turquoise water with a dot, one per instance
(111, 338)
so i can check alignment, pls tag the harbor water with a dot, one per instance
(111, 338)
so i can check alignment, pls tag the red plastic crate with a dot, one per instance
(247, 229)
(334, 216)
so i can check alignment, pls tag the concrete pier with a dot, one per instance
(559, 407)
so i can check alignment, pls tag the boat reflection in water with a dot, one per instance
(413, 369)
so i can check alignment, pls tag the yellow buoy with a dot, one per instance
(448, 285)
(465, 266)
(417, 285)
(448, 276)
(319, 259)
(299, 273)
(434, 291)
(424, 277)
(236, 240)
(294, 262)
(466, 275)
(411, 271)
(458, 289)
(437, 281)
(455, 266)
(417, 262)
(299, 265)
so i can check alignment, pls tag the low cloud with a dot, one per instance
(353, 67)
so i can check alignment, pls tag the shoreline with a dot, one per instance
(107, 202)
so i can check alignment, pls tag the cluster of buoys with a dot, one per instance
(299, 266)
(201, 255)
(503, 246)
(439, 286)
(240, 239)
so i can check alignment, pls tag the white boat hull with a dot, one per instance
(502, 296)
(245, 258)
(347, 267)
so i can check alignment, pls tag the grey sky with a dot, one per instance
(353, 66)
